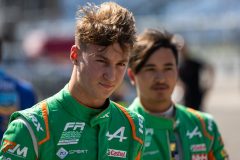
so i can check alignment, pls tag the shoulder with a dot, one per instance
(202, 119)
(37, 118)
(14, 146)
(128, 112)
(32, 124)
(136, 122)
(193, 114)
(136, 106)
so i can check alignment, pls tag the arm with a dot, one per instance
(17, 142)
(218, 151)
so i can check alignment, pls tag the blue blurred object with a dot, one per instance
(14, 95)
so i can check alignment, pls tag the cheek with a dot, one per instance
(143, 81)
(172, 78)
(95, 68)
(120, 73)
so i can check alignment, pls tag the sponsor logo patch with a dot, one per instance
(71, 133)
(62, 153)
(148, 136)
(105, 115)
(117, 153)
(118, 134)
(4, 158)
(140, 129)
(198, 147)
(194, 133)
(150, 153)
(14, 149)
(78, 151)
(210, 125)
(36, 123)
(199, 157)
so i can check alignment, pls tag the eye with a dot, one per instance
(122, 64)
(101, 60)
(149, 69)
(168, 68)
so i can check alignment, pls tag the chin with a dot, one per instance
(104, 96)
(160, 98)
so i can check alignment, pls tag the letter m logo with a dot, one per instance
(14, 149)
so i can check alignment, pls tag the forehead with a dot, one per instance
(106, 51)
(162, 55)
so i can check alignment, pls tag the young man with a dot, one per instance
(15, 95)
(80, 122)
(172, 130)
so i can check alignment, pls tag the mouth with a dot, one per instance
(159, 87)
(107, 86)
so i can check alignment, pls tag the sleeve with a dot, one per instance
(218, 151)
(17, 142)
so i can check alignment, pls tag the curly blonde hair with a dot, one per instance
(104, 25)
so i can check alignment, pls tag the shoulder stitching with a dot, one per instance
(206, 134)
(45, 118)
(34, 139)
(131, 123)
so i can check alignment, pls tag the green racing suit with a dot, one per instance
(190, 135)
(61, 128)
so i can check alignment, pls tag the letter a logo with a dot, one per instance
(118, 134)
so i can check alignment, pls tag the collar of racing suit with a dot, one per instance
(90, 115)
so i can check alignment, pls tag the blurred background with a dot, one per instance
(36, 37)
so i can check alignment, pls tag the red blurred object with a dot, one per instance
(39, 43)
(57, 46)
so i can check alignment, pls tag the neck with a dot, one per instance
(81, 96)
(167, 114)
(156, 106)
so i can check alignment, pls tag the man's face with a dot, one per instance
(101, 69)
(157, 78)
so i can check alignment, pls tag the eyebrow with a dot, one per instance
(149, 65)
(153, 65)
(168, 64)
(101, 56)
(106, 59)
(101, 48)
(125, 60)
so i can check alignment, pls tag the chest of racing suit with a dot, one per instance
(61, 128)
(190, 135)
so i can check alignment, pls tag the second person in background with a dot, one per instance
(173, 131)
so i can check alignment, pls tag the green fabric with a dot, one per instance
(197, 139)
(76, 132)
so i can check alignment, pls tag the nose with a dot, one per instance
(110, 74)
(159, 77)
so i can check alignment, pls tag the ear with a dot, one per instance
(131, 76)
(74, 54)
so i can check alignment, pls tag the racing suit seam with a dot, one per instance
(206, 134)
(131, 124)
(34, 139)
(45, 118)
